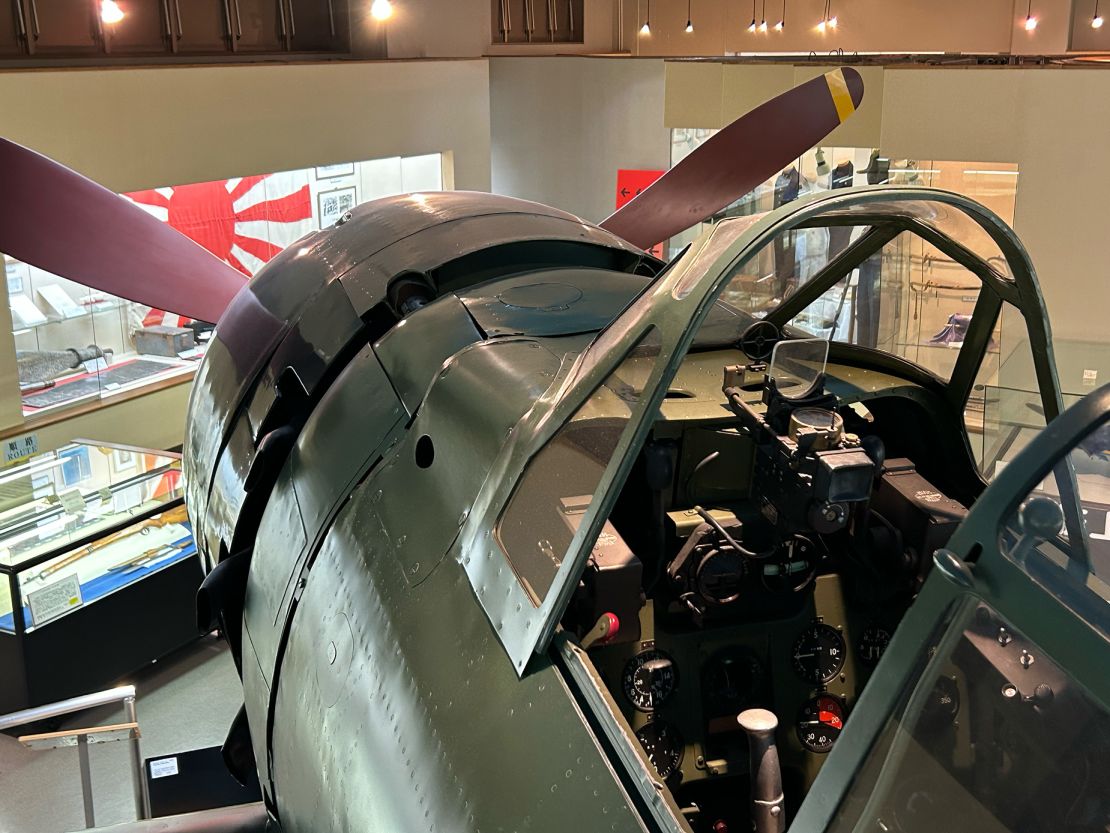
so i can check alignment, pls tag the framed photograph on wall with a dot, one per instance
(123, 459)
(332, 171)
(334, 204)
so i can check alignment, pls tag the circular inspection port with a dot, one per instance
(425, 451)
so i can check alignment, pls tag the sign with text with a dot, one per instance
(629, 184)
(55, 599)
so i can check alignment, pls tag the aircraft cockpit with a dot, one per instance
(775, 438)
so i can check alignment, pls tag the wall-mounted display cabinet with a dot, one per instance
(76, 346)
(167, 28)
(98, 570)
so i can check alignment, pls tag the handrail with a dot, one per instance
(124, 694)
(62, 707)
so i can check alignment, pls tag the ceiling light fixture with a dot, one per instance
(763, 18)
(646, 28)
(689, 17)
(381, 10)
(824, 24)
(1030, 21)
(782, 20)
(752, 26)
(110, 12)
(1097, 21)
(832, 18)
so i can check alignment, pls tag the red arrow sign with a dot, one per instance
(632, 182)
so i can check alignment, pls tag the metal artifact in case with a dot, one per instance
(98, 570)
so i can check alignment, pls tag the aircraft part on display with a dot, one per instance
(36, 366)
(511, 525)
(738, 158)
(66, 224)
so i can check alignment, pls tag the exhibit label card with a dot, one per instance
(55, 599)
(163, 767)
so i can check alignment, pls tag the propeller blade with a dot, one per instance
(738, 158)
(66, 224)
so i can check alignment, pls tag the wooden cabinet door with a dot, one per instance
(201, 27)
(13, 28)
(317, 25)
(259, 25)
(63, 27)
(144, 30)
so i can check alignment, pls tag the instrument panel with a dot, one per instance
(681, 688)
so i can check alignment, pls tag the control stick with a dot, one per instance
(768, 811)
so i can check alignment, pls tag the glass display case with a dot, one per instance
(77, 345)
(98, 570)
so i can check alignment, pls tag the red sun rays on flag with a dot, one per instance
(227, 216)
(206, 213)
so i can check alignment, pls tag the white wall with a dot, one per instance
(561, 127)
(140, 128)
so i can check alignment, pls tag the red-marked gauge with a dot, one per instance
(819, 722)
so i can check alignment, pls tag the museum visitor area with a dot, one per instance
(676, 416)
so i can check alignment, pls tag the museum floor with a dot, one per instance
(186, 701)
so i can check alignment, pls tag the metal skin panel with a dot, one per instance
(278, 549)
(225, 499)
(412, 359)
(433, 247)
(397, 710)
(381, 239)
(676, 305)
(470, 409)
(325, 328)
(362, 409)
(553, 302)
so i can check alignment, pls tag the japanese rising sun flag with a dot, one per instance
(243, 221)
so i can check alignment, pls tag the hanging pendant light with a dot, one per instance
(646, 28)
(763, 18)
(752, 25)
(832, 18)
(1030, 21)
(381, 10)
(1097, 21)
(689, 17)
(782, 19)
(824, 19)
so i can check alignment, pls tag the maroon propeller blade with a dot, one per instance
(64, 223)
(738, 158)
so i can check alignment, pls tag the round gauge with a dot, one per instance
(731, 680)
(720, 575)
(819, 722)
(872, 643)
(819, 653)
(663, 745)
(793, 565)
(943, 706)
(827, 425)
(649, 678)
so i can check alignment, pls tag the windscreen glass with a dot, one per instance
(980, 743)
(558, 485)
(1060, 532)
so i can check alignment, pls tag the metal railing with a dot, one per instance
(81, 738)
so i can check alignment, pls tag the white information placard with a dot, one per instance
(55, 599)
(163, 767)
(59, 301)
